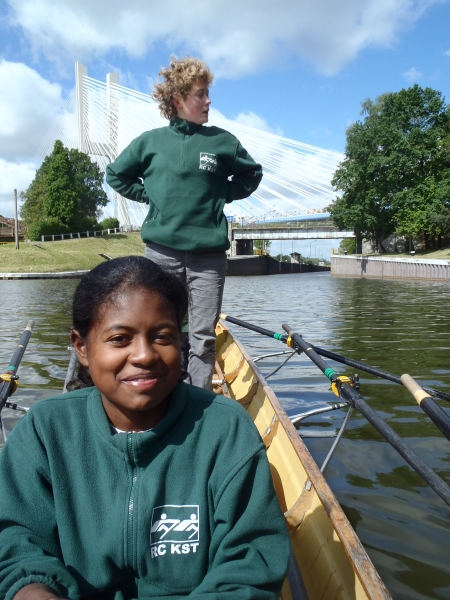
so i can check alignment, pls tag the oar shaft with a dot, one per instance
(7, 387)
(267, 332)
(433, 480)
(374, 371)
(308, 349)
(356, 400)
(20, 349)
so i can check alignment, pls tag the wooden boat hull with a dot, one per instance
(332, 561)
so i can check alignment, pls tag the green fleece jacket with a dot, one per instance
(185, 510)
(185, 173)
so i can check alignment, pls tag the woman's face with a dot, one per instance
(133, 355)
(195, 107)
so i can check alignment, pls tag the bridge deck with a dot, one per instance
(288, 233)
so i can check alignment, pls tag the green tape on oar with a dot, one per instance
(329, 372)
(278, 336)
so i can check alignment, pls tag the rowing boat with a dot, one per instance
(328, 560)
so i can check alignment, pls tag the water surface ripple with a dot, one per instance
(398, 326)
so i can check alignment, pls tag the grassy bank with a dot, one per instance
(67, 255)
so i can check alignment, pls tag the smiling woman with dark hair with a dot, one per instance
(139, 487)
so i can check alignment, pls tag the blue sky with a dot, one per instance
(300, 68)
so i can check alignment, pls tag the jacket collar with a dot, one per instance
(183, 126)
(141, 441)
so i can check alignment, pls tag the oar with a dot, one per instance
(336, 357)
(439, 417)
(8, 381)
(355, 400)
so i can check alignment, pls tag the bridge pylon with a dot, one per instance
(91, 147)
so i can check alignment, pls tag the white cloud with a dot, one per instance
(412, 75)
(234, 37)
(447, 53)
(13, 176)
(28, 106)
(252, 120)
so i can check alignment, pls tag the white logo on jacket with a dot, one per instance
(175, 529)
(208, 162)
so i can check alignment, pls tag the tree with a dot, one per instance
(397, 167)
(67, 189)
(32, 209)
(61, 200)
(261, 246)
(348, 245)
(88, 184)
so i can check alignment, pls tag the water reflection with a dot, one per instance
(398, 326)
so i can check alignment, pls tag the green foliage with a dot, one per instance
(32, 209)
(85, 224)
(261, 246)
(284, 258)
(109, 223)
(67, 187)
(348, 245)
(88, 184)
(396, 173)
(61, 200)
(50, 226)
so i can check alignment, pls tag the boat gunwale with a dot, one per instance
(355, 551)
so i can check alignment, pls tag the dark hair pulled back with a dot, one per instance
(106, 281)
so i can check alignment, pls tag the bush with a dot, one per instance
(50, 226)
(84, 224)
(109, 223)
(348, 245)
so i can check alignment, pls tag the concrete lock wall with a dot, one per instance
(390, 268)
(266, 265)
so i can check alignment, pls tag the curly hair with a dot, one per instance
(178, 78)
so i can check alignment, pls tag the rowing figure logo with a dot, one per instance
(176, 527)
(208, 162)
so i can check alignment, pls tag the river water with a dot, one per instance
(397, 326)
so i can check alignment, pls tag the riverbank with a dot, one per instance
(393, 266)
(72, 258)
(67, 256)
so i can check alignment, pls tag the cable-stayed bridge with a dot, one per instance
(101, 118)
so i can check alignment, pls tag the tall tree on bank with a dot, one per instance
(61, 199)
(396, 173)
(66, 190)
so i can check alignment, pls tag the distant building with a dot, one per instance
(295, 257)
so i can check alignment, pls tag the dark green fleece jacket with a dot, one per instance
(185, 510)
(189, 171)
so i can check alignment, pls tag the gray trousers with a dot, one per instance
(203, 273)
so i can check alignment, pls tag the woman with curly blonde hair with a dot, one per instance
(186, 172)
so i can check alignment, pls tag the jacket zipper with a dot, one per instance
(182, 151)
(131, 502)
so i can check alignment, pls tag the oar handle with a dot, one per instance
(437, 414)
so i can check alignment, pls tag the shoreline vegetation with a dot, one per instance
(85, 253)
